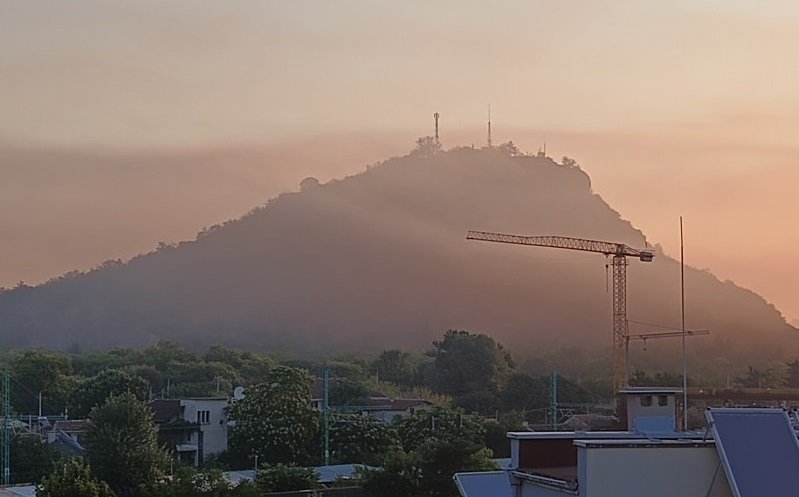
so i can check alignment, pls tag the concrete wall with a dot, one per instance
(651, 472)
(214, 432)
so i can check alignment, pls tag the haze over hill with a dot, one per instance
(379, 260)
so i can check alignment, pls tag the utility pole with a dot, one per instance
(326, 417)
(553, 400)
(6, 428)
(489, 126)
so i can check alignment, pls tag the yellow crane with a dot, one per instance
(618, 252)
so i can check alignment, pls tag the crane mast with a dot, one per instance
(618, 252)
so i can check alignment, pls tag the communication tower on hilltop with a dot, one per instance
(435, 116)
(489, 126)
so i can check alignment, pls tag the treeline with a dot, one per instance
(469, 370)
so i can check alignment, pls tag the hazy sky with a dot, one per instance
(175, 115)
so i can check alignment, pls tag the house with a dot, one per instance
(376, 404)
(745, 453)
(195, 429)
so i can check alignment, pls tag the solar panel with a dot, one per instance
(484, 484)
(759, 451)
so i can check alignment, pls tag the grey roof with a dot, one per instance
(327, 474)
(484, 484)
(18, 491)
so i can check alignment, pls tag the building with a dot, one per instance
(195, 429)
(376, 404)
(745, 453)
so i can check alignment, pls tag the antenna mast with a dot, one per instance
(489, 126)
(435, 116)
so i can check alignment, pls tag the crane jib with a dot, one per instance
(564, 242)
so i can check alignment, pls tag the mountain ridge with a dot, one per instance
(378, 259)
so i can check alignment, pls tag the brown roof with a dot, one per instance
(165, 410)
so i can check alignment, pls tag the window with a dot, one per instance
(663, 400)
(203, 417)
(646, 401)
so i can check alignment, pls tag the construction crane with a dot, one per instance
(618, 252)
(669, 334)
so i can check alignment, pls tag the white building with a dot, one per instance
(745, 453)
(195, 429)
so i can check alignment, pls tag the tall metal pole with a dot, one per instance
(6, 428)
(553, 400)
(326, 418)
(435, 116)
(684, 355)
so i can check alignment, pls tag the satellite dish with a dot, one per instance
(238, 393)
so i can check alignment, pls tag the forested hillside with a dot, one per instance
(380, 260)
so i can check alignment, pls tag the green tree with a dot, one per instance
(286, 478)
(122, 445)
(72, 479)
(395, 366)
(523, 392)
(441, 459)
(346, 392)
(759, 378)
(187, 482)
(496, 437)
(792, 374)
(33, 459)
(399, 476)
(439, 423)
(35, 371)
(275, 420)
(468, 366)
(360, 439)
(93, 391)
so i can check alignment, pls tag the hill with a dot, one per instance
(379, 260)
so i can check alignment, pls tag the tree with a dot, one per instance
(440, 460)
(395, 366)
(93, 391)
(188, 482)
(122, 445)
(568, 162)
(426, 146)
(399, 476)
(35, 371)
(346, 392)
(466, 364)
(496, 437)
(33, 459)
(509, 149)
(439, 423)
(275, 420)
(73, 479)
(759, 378)
(360, 439)
(522, 392)
(792, 374)
(286, 478)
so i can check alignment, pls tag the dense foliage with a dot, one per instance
(72, 479)
(122, 445)
(275, 421)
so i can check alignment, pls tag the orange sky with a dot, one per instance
(673, 107)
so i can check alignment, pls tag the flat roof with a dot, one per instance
(649, 390)
(644, 443)
(566, 435)
(603, 435)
